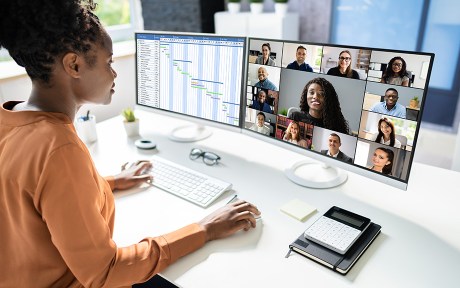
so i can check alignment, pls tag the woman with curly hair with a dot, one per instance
(320, 106)
(396, 73)
(56, 211)
(386, 133)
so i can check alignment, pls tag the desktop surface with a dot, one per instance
(419, 245)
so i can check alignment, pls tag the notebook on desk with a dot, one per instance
(333, 260)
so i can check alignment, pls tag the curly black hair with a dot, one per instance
(37, 32)
(332, 113)
(389, 71)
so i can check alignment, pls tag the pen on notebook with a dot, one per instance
(232, 199)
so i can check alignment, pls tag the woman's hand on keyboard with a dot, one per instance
(230, 219)
(133, 175)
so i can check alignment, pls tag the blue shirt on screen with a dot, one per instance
(398, 110)
(303, 67)
(264, 107)
(267, 84)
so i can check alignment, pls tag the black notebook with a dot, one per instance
(333, 260)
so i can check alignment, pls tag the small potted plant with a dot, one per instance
(283, 111)
(131, 122)
(257, 6)
(281, 6)
(233, 6)
(413, 103)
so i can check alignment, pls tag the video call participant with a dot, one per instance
(334, 149)
(382, 160)
(299, 63)
(260, 104)
(344, 67)
(260, 125)
(386, 133)
(292, 135)
(262, 74)
(57, 213)
(320, 106)
(396, 73)
(265, 58)
(390, 106)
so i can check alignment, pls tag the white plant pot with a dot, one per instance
(132, 128)
(257, 8)
(281, 8)
(233, 7)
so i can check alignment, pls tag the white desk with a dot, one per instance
(419, 245)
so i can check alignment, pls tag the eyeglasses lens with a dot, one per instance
(195, 153)
(210, 158)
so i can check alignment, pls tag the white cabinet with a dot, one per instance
(263, 25)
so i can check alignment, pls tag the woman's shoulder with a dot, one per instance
(303, 143)
(355, 74)
(332, 71)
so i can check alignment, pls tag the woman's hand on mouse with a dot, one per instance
(230, 219)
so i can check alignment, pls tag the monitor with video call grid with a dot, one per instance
(355, 108)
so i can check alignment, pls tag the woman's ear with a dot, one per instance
(71, 62)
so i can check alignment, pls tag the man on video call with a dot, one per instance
(260, 104)
(334, 149)
(390, 105)
(262, 74)
(299, 63)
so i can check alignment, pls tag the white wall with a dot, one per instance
(15, 89)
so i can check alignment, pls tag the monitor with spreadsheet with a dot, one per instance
(355, 108)
(193, 75)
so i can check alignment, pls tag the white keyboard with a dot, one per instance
(193, 186)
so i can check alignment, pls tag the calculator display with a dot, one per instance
(346, 218)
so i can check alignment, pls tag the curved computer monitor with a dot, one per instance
(195, 76)
(354, 108)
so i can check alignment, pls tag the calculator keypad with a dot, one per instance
(332, 234)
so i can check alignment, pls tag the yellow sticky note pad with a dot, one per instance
(298, 209)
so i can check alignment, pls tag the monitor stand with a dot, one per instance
(190, 133)
(315, 174)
